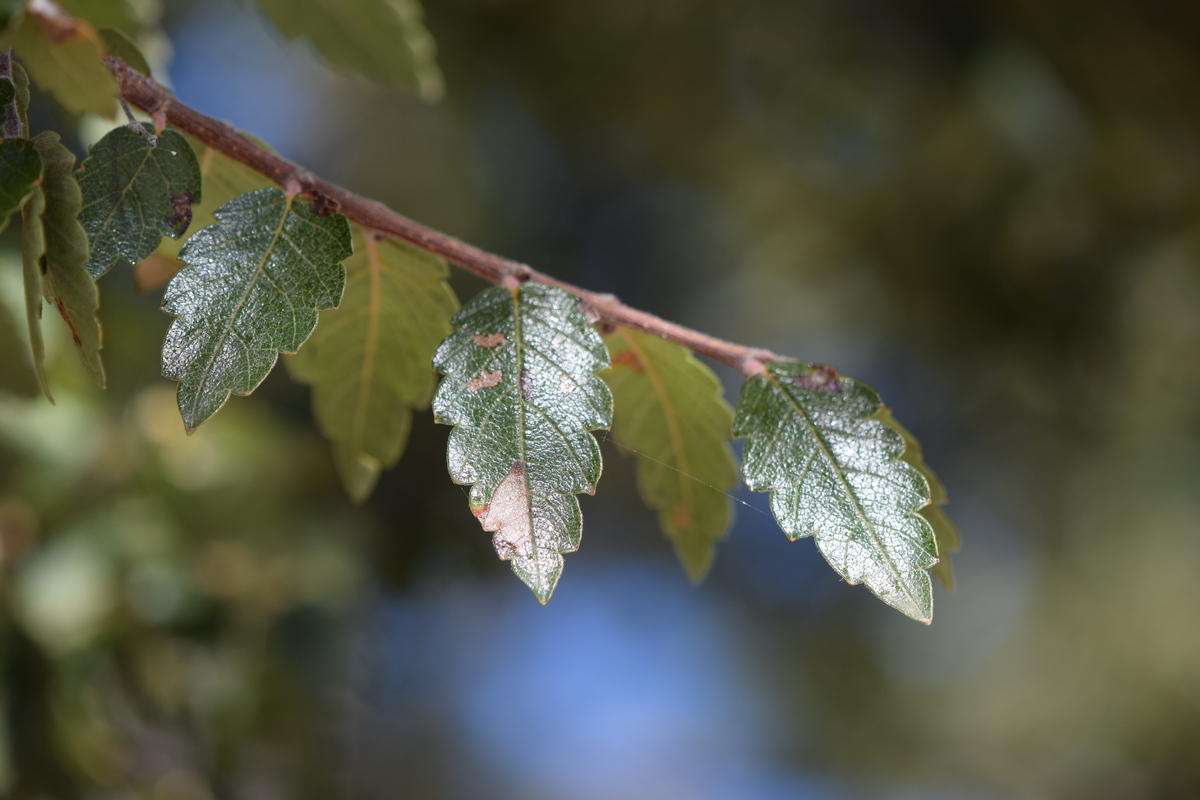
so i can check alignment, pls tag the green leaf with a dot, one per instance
(944, 531)
(8, 92)
(223, 179)
(369, 360)
(384, 40)
(20, 169)
(128, 16)
(33, 251)
(835, 473)
(521, 388)
(671, 413)
(64, 57)
(134, 193)
(253, 286)
(118, 44)
(65, 281)
(20, 80)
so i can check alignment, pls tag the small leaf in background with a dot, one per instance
(252, 288)
(835, 473)
(944, 531)
(118, 44)
(384, 40)
(369, 360)
(134, 193)
(670, 412)
(63, 55)
(33, 251)
(223, 179)
(522, 389)
(65, 280)
(20, 169)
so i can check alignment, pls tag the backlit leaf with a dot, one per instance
(369, 360)
(522, 389)
(944, 531)
(33, 251)
(20, 168)
(670, 412)
(384, 40)
(252, 288)
(63, 55)
(65, 281)
(134, 193)
(834, 471)
(118, 44)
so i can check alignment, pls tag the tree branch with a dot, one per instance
(144, 93)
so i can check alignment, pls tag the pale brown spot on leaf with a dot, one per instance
(490, 340)
(681, 516)
(526, 382)
(823, 379)
(484, 380)
(507, 516)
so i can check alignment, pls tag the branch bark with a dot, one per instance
(144, 93)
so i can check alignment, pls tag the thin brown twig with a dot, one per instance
(144, 93)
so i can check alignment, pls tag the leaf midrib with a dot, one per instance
(367, 374)
(676, 436)
(849, 490)
(207, 372)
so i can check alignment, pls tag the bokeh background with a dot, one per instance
(990, 211)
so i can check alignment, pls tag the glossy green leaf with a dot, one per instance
(835, 473)
(20, 169)
(223, 179)
(369, 360)
(384, 40)
(252, 288)
(63, 55)
(33, 251)
(669, 410)
(134, 193)
(522, 389)
(944, 531)
(65, 280)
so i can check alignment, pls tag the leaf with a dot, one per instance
(521, 388)
(253, 286)
(384, 40)
(63, 55)
(369, 360)
(8, 92)
(33, 250)
(223, 179)
(134, 193)
(835, 473)
(944, 531)
(671, 413)
(20, 80)
(118, 44)
(65, 281)
(20, 169)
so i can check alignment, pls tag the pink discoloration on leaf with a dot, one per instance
(507, 516)
(484, 380)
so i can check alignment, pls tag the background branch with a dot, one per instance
(144, 93)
